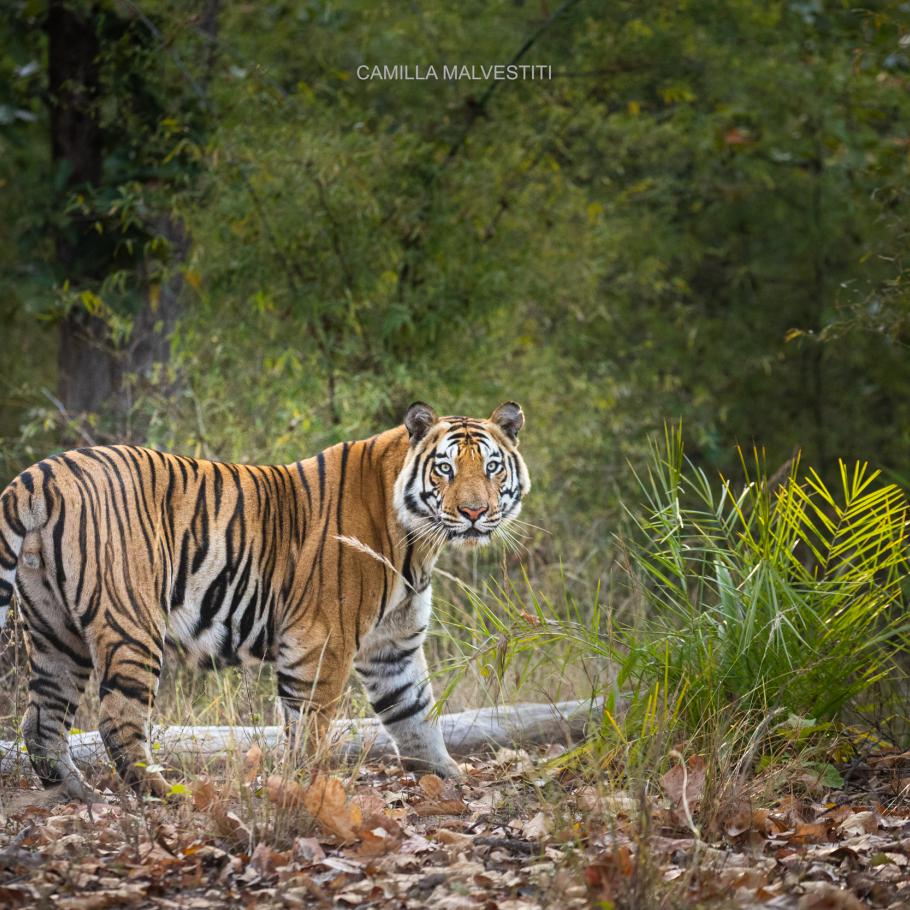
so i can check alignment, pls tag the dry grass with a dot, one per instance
(700, 787)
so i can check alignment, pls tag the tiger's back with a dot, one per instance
(211, 549)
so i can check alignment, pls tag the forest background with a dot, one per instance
(217, 239)
(685, 252)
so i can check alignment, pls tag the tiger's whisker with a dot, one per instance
(528, 524)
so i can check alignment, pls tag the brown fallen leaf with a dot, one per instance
(416, 843)
(18, 895)
(126, 896)
(487, 802)
(692, 776)
(742, 877)
(429, 807)
(609, 874)
(304, 891)
(370, 802)
(66, 824)
(327, 801)
(829, 897)
(737, 819)
(252, 762)
(284, 793)
(203, 793)
(432, 785)
(538, 826)
(859, 823)
(229, 825)
(809, 833)
(308, 850)
(453, 838)
(890, 760)
(266, 862)
(764, 822)
(792, 810)
(378, 834)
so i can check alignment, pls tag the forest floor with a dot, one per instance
(515, 835)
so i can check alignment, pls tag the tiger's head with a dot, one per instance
(463, 478)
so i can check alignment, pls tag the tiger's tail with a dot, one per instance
(22, 509)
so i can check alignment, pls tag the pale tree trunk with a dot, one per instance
(466, 733)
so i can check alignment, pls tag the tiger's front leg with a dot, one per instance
(393, 669)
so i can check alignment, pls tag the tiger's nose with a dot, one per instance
(471, 513)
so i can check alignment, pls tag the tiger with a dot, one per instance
(116, 552)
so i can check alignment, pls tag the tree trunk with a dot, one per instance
(466, 733)
(88, 371)
(95, 374)
(73, 82)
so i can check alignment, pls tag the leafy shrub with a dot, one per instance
(780, 595)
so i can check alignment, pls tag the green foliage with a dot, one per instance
(633, 241)
(773, 596)
(147, 113)
(768, 599)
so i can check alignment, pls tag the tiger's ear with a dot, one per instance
(419, 418)
(509, 418)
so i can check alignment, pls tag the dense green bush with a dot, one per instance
(730, 602)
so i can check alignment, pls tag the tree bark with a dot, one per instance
(95, 375)
(74, 85)
(88, 371)
(466, 733)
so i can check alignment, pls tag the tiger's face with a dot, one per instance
(463, 478)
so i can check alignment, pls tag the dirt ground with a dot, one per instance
(517, 834)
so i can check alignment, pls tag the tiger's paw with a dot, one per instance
(444, 767)
(450, 770)
(78, 789)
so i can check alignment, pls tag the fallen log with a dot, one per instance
(465, 732)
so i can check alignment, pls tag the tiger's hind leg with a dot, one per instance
(60, 665)
(311, 681)
(129, 664)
